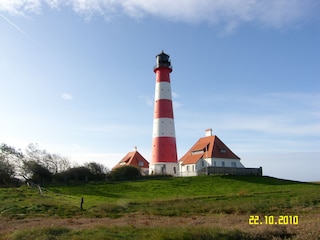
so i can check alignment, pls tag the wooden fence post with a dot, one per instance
(40, 190)
(81, 203)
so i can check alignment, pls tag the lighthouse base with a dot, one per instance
(164, 168)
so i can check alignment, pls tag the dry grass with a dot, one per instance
(308, 227)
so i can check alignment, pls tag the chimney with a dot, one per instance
(209, 132)
(135, 148)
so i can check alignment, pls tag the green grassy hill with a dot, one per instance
(165, 197)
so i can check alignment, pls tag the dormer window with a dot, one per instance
(197, 152)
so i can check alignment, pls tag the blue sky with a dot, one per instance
(77, 77)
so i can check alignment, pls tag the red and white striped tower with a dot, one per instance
(164, 150)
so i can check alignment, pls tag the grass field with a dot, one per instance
(206, 207)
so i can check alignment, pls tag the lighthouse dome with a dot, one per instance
(163, 60)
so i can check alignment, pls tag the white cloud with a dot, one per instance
(148, 100)
(277, 120)
(174, 94)
(283, 124)
(229, 13)
(176, 104)
(67, 96)
(18, 7)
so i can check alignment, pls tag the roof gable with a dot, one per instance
(207, 147)
(220, 150)
(134, 159)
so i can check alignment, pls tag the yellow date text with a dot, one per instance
(273, 220)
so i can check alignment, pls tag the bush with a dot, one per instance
(39, 173)
(6, 171)
(125, 173)
(74, 174)
(98, 170)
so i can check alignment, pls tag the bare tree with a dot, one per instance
(52, 161)
(10, 161)
(96, 168)
(62, 163)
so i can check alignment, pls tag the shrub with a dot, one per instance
(74, 174)
(125, 173)
(39, 173)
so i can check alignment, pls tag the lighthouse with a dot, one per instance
(164, 150)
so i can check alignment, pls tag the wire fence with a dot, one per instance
(62, 198)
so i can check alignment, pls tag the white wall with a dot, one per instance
(224, 162)
(144, 171)
(164, 168)
(192, 169)
(188, 170)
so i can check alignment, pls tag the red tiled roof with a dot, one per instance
(211, 146)
(200, 146)
(133, 159)
(192, 159)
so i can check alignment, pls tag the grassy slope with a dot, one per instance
(194, 195)
(205, 195)
(171, 196)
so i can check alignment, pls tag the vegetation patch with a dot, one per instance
(155, 233)
(51, 233)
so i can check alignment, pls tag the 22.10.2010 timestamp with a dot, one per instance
(272, 220)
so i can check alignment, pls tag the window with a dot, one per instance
(233, 164)
(197, 152)
(202, 163)
(140, 163)
(214, 163)
(223, 150)
(187, 168)
(223, 164)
